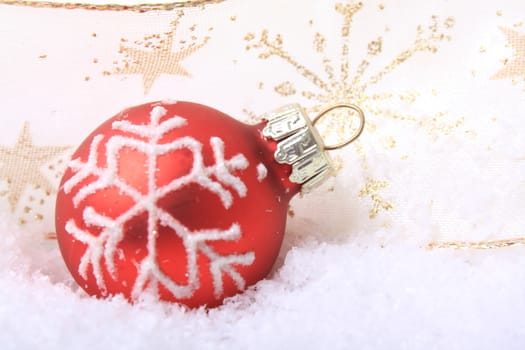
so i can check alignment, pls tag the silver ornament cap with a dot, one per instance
(300, 145)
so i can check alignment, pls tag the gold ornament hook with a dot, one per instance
(360, 129)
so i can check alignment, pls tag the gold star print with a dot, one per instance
(154, 56)
(516, 67)
(20, 165)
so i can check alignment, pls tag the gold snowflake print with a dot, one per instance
(343, 80)
(339, 83)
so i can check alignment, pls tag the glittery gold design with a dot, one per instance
(516, 67)
(341, 83)
(20, 166)
(154, 56)
(389, 142)
(319, 42)
(351, 82)
(348, 11)
(285, 89)
(375, 46)
(371, 189)
(111, 7)
(487, 244)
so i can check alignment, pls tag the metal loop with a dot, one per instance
(353, 107)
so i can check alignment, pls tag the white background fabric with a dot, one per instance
(446, 162)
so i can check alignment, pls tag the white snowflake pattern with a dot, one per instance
(217, 179)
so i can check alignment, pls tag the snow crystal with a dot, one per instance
(333, 296)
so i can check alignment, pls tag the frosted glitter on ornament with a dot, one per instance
(102, 248)
(183, 200)
(262, 172)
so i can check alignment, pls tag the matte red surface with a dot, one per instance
(261, 214)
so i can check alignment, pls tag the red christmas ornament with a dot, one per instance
(184, 201)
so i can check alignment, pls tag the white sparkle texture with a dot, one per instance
(102, 248)
(262, 172)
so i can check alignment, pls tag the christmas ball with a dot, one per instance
(181, 201)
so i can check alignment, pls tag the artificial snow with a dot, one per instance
(351, 274)
(340, 295)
